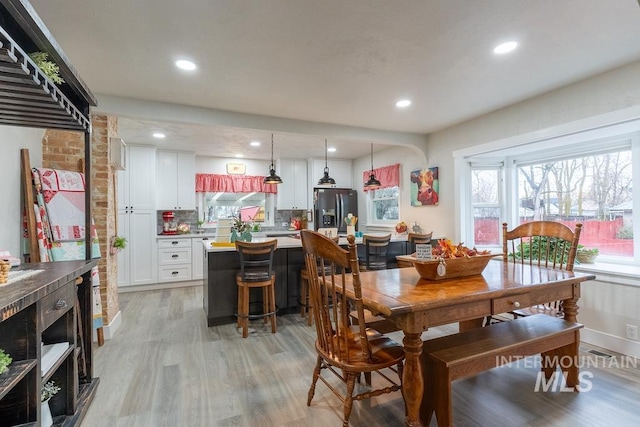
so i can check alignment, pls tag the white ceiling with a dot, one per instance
(335, 62)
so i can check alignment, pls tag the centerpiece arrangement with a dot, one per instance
(241, 230)
(449, 260)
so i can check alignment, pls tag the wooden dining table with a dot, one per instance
(416, 304)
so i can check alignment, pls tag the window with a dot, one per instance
(254, 206)
(486, 204)
(584, 177)
(594, 190)
(384, 205)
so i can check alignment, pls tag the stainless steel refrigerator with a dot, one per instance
(332, 205)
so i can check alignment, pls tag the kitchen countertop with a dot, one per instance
(211, 234)
(291, 242)
(185, 236)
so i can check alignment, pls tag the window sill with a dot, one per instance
(613, 273)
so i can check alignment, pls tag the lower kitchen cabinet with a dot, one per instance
(174, 259)
(198, 257)
(137, 263)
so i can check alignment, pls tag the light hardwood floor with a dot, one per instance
(165, 367)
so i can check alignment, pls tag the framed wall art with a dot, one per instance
(236, 168)
(425, 187)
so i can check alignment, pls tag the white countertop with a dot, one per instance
(185, 236)
(290, 242)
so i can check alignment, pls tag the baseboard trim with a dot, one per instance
(610, 342)
(159, 286)
(109, 330)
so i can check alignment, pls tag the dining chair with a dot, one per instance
(413, 239)
(256, 271)
(375, 255)
(344, 349)
(306, 309)
(548, 244)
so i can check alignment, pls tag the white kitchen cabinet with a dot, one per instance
(176, 180)
(293, 192)
(174, 259)
(137, 263)
(137, 184)
(340, 170)
(197, 257)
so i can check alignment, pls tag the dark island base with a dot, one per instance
(220, 296)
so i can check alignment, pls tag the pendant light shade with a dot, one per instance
(372, 183)
(326, 179)
(272, 178)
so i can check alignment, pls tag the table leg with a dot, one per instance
(570, 306)
(412, 378)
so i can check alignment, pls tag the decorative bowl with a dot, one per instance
(448, 268)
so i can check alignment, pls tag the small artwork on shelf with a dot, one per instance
(425, 187)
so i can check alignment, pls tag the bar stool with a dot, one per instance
(414, 239)
(375, 256)
(256, 271)
(306, 309)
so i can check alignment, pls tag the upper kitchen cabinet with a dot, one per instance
(176, 180)
(136, 184)
(293, 192)
(340, 170)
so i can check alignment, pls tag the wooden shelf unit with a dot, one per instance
(38, 309)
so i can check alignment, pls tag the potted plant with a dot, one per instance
(118, 243)
(49, 390)
(48, 68)
(5, 361)
(585, 255)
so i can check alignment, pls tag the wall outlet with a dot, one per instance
(632, 332)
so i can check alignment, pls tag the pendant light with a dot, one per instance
(372, 183)
(272, 178)
(326, 179)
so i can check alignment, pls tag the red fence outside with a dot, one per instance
(595, 234)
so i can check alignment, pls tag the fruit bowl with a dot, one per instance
(448, 268)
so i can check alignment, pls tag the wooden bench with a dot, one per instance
(468, 353)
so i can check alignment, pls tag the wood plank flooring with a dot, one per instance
(165, 367)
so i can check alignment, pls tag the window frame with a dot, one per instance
(625, 135)
(371, 211)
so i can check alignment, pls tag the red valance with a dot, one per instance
(209, 182)
(389, 176)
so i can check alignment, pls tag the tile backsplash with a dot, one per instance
(281, 220)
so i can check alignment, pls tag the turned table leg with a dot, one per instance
(412, 378)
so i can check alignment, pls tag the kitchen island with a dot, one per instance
(222, 263)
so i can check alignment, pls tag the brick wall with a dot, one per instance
(64, 150)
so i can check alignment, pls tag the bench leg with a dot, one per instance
(567, 358)
(437, 395)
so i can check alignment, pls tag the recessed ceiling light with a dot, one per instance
(505, 47)
(239, 156)
(403, 103)
(159, 135)
(331, 149)
(183, 64)
(255, 143)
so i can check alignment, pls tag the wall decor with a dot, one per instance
(236, 168)
(425, 187)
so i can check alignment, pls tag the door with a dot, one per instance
(347, 201)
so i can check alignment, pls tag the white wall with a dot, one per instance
(218, 165)
(12, 139)
(608, 305)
